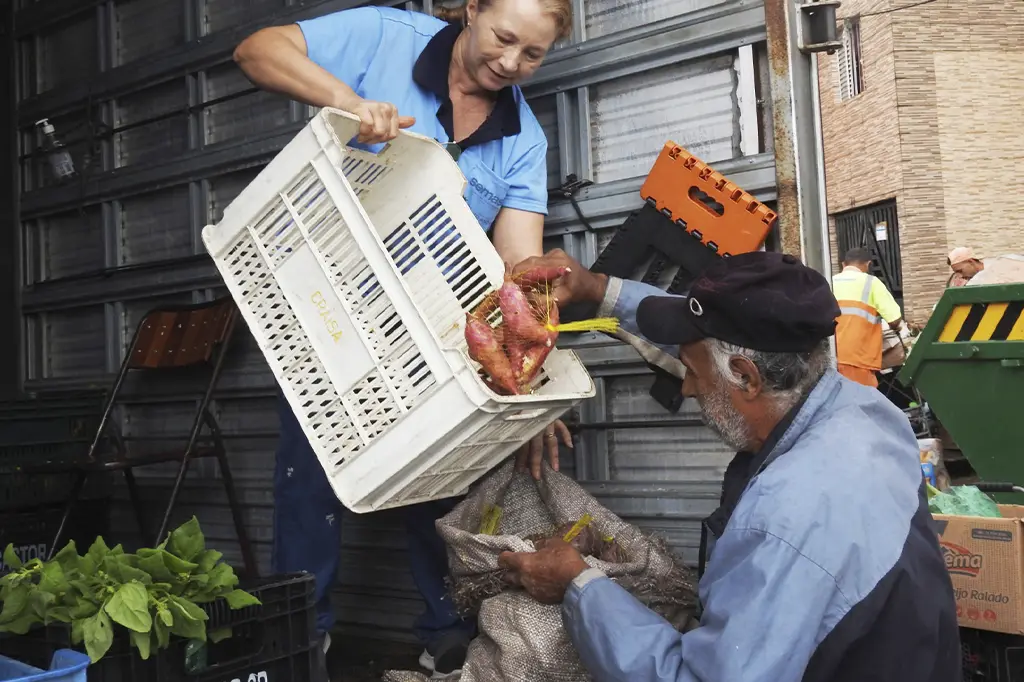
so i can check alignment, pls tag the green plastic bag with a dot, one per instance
(963, 500)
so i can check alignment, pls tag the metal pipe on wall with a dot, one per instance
(799, 160)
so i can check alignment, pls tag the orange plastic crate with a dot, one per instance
(711, 208)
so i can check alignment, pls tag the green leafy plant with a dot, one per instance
(153, 594)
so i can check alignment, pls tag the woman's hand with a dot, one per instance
(379, 121)
(531, 454)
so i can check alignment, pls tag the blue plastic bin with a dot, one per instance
(66, 666)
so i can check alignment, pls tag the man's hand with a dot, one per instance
(546, 573)
(531, 454)
(577, 285)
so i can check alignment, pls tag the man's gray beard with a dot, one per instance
(718, 413)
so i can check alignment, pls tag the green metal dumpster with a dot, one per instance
(968, 365)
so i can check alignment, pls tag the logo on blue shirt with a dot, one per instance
(487, 194)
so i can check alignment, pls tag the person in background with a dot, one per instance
(865, 303)
(455, 80)
(811, 571)
(964, 265)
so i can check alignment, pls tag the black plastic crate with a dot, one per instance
(32, 532)
(991, 656)
(46, 430)
(276, 642)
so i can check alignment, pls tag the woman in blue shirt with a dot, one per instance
(457, 83)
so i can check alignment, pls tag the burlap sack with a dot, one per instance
(520, 639)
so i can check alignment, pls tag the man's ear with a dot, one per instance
(750, 378)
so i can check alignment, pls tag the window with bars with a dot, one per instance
(851, 73)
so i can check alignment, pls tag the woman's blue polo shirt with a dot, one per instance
(391, 55)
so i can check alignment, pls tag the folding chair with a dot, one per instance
(168, 339)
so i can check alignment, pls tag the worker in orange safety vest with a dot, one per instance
(864, 303)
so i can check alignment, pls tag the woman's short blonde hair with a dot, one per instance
(559, 10)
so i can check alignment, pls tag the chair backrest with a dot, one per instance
(181, 336)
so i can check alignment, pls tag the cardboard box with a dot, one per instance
(985, 559)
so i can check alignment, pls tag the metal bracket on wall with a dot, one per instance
(816, 31)
(568, 191)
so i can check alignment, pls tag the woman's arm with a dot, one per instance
(518, 235)
(276, 59)
(322, 62)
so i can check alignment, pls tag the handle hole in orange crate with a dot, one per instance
(701, 197)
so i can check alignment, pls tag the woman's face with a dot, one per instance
(508, 40)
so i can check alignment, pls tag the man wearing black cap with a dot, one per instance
(821, 562)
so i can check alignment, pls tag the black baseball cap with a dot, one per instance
(760, 300)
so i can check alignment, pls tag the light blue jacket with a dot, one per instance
(819, 538)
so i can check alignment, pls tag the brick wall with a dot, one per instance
(861, 135)
(959, 76)
(937, 127)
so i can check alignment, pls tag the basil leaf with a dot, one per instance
(239, 599)
(163, 632)
(61, 614)
(154, 565)
(97, 552)
(189, 619)
(98, 635)
(53, 580)
(22, 624)
(142, 642)
(222, 578)
(11, 558)
(187, 541)
(208, 559)
(68, 557)
(130, 607)
(14, 604)
(176, 564)
(84, 608)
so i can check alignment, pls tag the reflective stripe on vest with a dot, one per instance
(859, 328)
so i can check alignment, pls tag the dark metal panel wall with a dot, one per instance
(166, 131)
(10, 247)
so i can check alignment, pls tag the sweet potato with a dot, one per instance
(533, 360)
(519, 316)
(589, 543)
(534, 355)
(487, 306)
(484, 348)
(516, 355)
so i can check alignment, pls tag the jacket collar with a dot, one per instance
(746, 465)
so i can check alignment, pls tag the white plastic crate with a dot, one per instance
(354, 271)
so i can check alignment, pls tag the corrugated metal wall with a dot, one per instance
(165, 132)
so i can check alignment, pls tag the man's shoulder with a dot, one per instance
(843, 494)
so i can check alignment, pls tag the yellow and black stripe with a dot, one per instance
(984, 322)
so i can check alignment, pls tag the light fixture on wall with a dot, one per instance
(61, 164)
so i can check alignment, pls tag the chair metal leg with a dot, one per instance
(251, 568)
(182, 470)
(76, 490)
(140, 515)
